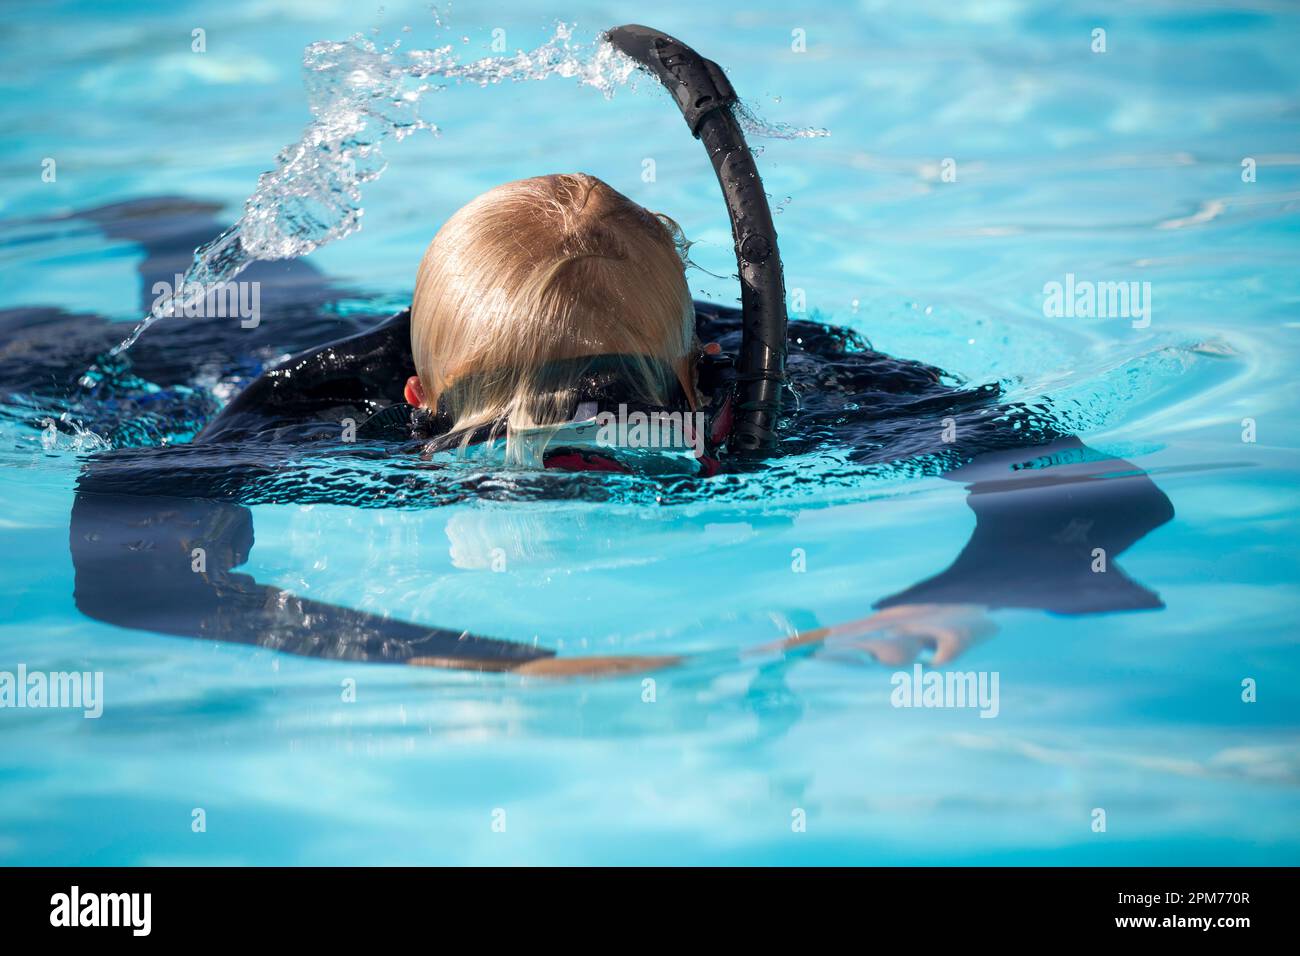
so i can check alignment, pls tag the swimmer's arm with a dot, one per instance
(164, 565)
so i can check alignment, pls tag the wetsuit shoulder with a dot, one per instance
(350, 377)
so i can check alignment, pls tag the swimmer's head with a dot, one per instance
(542, 270)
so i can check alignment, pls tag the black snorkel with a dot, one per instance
(705, 98)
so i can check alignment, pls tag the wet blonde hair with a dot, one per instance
(539, 270)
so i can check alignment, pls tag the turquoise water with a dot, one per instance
(1124, 165)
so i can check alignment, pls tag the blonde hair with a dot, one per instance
(540, 270)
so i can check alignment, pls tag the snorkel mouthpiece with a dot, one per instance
(705, 97)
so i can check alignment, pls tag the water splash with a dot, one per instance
(65, 434)
(755, 125)
(361, 94)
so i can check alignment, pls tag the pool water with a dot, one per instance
(976, 154)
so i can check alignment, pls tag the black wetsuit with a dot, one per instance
(146, 517)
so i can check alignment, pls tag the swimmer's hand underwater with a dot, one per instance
(899, 635)
(894, 637)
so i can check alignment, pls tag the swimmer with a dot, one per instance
(538, 307)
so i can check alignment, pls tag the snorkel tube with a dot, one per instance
(705, 98)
